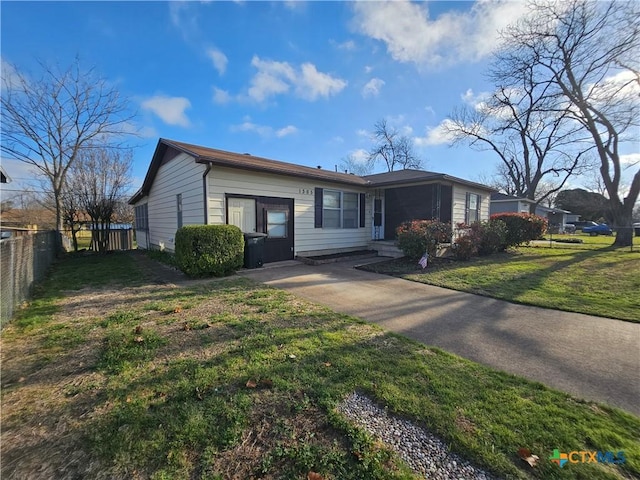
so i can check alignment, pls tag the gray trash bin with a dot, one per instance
(254, 249)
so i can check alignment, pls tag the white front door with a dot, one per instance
(242, 213)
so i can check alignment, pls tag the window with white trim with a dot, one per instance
(473, 208)
(340, 209)
(142, 217)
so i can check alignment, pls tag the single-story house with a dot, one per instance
(557, 218)
(304, 211)
(502, 203)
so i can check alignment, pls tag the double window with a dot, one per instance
(338, 209)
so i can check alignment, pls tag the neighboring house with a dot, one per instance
(4, 178)
(557, 218)
(501, 203)
(303, 210)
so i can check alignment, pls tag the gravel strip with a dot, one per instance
(425, 453)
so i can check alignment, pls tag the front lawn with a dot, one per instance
(591, 278)
(121, 378)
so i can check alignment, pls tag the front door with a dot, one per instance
(275, 218)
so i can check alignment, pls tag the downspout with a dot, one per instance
(205, 194)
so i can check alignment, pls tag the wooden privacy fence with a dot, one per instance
(24, 260)
(119, 239)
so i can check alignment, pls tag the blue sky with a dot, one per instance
(295, 81)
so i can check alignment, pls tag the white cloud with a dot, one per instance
(264, 131)
(429, 109)
(184, 19)
(630, 159)
(368, 69)
(274, 78)
(360, 155)
(171, 110)
(313, 84)
(372, 88)
(220, 96)
(363, 133)
(219, 60)
(438, 135)
(10, 78)
(348, 45)
(288, 130)
(455, 36)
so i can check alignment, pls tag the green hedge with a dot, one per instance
(417, 237)
(209, 250)
(522, 227)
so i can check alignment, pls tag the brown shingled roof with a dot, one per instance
(259, 164)
(241, 161)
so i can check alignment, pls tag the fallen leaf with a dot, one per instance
(138, 329)
(292, 356)
(138, 339)
(251, 383)
(186, 327)
(314, 476)
(198, 394)
(525, 455)
(327, 364)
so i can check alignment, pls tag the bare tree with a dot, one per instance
(100, 180)
(352, 164)
(534, 140)
(394, 149)
(586, 52)
(48, 122)
(72, 214)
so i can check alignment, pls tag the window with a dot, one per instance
(340, 209)
(277, 223)
(473, 208)
(142, 217)
(179, 209)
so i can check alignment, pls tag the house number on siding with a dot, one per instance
(305, 191)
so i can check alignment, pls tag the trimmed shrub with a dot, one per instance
(480, 238)
(522, 227)
(490, 237)
(419, 236)
(464, 247)
(209, 250)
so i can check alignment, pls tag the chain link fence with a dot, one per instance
(24, 260)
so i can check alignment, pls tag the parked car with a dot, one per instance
(598, 229)
(569, 228)
(583, 223)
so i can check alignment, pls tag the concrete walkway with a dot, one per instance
(589, 357)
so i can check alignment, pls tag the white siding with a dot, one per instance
(307, 239)
(180, 175)
(460, 200)
(142, 240)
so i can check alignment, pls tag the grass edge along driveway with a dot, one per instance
(153, 381)
(591, 279)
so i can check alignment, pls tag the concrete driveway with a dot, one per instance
(589, 357)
